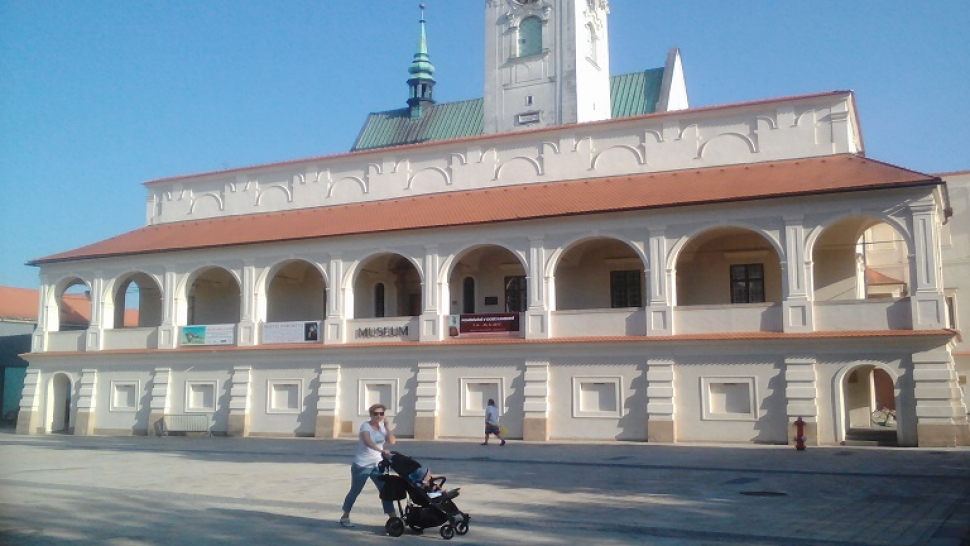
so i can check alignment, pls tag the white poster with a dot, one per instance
(291, 332)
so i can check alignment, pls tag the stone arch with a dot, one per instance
(593, 261)
(492, 265)
(707, 260)
(536, 166)
(60, 402)
(856, 256)
(211, 294)
(402, 277)
(292, 290)
(438, 173)
(858, 392)
(147, 300)
(72, 300)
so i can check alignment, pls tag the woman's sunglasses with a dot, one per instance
(377, 413)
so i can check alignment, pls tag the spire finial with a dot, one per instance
(421, 81)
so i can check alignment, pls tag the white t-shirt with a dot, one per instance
(491, 415)
(366, 456)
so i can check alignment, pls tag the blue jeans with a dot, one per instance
(358, 477)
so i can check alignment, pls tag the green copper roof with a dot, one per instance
(636, 93)
(630, 95)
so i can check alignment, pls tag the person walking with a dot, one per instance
(374, 433)
(491, 423)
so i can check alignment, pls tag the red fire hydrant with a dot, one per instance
(800, 434)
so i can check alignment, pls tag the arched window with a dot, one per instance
(530, 36)
(468, 296)
(591, 43)
(379, 300)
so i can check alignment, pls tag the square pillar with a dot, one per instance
(801, 392)
(941, 415)
(239, 398)
(85, 418)
(535, 423)
(28, 420)
(328, 402)
(426, 406)
(161, 400)
(661, 423)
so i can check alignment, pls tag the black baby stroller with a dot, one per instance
(424, 508)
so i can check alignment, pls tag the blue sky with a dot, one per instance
(99, 96)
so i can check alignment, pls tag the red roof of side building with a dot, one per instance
(830, 174)
(21, 304)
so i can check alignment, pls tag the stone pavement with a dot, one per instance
(68, 490)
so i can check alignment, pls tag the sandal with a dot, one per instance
(345, 521)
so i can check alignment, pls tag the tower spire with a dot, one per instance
(421, 82)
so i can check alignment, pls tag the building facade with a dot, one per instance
(664, 273)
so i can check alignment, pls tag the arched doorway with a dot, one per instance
(59, 404)
(869, 406)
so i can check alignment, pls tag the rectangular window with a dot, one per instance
(200, 396)
(747, 283)
(377, 391)
(515, 294)
(729, 398)
(625, 289)
(597, 397)
(284, 396)
(124, 395)
(475, 394)
(379, 300)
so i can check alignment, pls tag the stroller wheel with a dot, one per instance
(461, 527)
(394, 527)
(447, 532)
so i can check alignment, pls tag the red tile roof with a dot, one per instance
(22, 304)
(830, 174)
(874, 277)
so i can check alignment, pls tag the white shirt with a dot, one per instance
(491, 415)
(366, 456)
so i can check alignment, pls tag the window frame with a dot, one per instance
(115, 384)
(749, 281)
(272, 383)
(625, 289)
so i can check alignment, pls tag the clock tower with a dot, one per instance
(546, 63)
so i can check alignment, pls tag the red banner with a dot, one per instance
(495, 323)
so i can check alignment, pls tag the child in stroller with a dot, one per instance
(428, 504)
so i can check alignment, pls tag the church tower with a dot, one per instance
(546, 63)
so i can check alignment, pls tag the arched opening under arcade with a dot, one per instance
(137, 301)
(860, 271)
(728, 279)
(600, 273)
(860, 258)
(212, 297)
(296, 291)
(73, 305)
(487, 279)
(387, 285)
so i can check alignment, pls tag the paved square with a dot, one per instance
(67, 490)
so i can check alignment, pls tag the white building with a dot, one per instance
(601, 259)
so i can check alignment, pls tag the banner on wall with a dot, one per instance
(291, 332)
(493, 323)
(209, 334)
